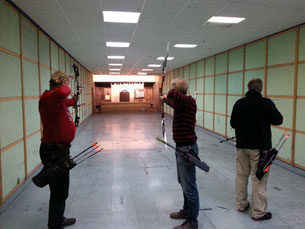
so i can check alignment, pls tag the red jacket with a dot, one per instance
(57, 122)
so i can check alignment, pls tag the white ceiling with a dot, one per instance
(78, 26)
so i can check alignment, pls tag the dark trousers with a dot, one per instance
(186, 174)
(59, 187)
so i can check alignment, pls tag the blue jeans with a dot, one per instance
(186, 174)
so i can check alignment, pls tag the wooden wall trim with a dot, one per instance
(227, 86)
(9, 52)
(295, 94)
(23, 98)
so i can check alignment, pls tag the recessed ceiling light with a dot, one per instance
(117, 44)
(168, 58)
(185, 45)
(116, 57)
(142, 73)
(113, 64)
(121, 17)
(114, 69)
(154, 65)
(114, 73)
(147, 69)
(226, 20)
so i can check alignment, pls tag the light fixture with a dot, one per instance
(121, 17)
(116, 57)
(142, 73)
(147, 69)
(168, 58)
(185, 45)
(114, 73)
(113, 64)
(154, 65)
(117, 44)
(226, 20)
(114, 69)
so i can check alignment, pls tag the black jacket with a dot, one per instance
(251, 118)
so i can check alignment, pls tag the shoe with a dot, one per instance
(186, 225)
(267, 216)
(178, 215)
(68, 221)
(245, 209)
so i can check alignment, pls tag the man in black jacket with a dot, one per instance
(251, 118)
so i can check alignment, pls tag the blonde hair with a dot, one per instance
(58, 78)
(180, 85)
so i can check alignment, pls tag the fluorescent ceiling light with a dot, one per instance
(113, 64)
(121, 17)
(185, 45)
(168, 58)
(116, 57)
(114, 73)
(154, 65)
(147, 69)
(227, 20)
(114, 69)
(142, 73)
(117, 44)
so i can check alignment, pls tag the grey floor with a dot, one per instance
(132, 183)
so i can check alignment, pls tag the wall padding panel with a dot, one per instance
(199, 118)
(33, 158)
(199, 84)
(12, 168)
(9, 22)
(236, 60)
(200, 70)
(208, 121)
(299, 151)
(31, 79)
(281, 48)
(302, 44)
(277, 77)
(29, 40)
(221, 63)
(193, 71)
(10, 75)
(44, 48)
(32, 116)
(209, 66)
(255, 55)
(186, 72)
(11, 122)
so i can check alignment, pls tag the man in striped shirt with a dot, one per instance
(185, 138)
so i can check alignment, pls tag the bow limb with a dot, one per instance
(161, 93)
(77, 94)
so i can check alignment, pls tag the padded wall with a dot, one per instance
(27, 58)
(220, 80)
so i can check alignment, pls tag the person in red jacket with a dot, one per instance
(58, 133)
(184, 135)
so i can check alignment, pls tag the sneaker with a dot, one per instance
(245, 209)
(186, 225)
(267, 216)
(178, 215)
(68, 221)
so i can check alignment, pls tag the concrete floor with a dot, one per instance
(132, 183)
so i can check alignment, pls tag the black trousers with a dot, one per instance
(59, 187)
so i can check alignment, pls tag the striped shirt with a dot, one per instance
(184, 117)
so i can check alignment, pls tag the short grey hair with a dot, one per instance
(255, 84)
(180, 85)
